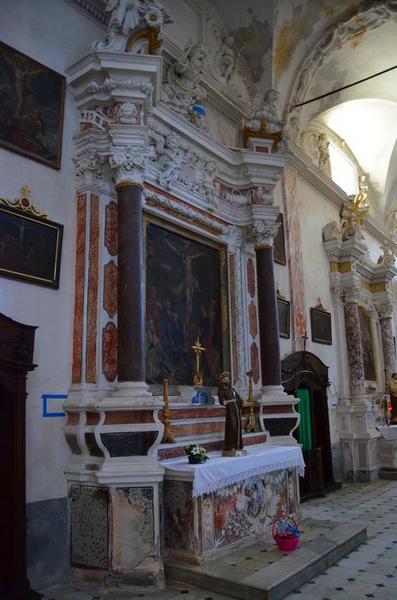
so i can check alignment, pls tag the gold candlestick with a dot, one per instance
(251, 423)
(168, 436)
(198, 349)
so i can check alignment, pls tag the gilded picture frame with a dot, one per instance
(284, 318)
(31, 107)
(321, 326)
(367, 344)
(30, 247)
(186, 297)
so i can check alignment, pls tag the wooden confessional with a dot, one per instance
(16, 355)
(305, 376)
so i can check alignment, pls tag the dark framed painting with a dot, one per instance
(30, 247)
(367, 344)
(186, 299)
(31, 107)
(320, 321)
(279, 254)
(284, 320)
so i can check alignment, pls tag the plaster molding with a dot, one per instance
(334, 37)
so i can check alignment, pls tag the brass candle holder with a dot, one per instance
(251, 423)
(168, 436)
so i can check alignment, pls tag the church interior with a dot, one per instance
(198, 241)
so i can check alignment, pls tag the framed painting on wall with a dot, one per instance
(31, 107)
(367, 344)
(320, 321)
(30, 247)
(279, 254)
(283, 309)
(186, 298)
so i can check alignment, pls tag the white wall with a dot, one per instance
(55, 34)
(316, 212)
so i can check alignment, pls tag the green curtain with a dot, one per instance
(305, 426)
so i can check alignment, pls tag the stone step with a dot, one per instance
(210, 443)
(259, 571)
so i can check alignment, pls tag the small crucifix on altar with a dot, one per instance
(304, 338)
(198, 349)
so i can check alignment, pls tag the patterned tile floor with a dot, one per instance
(370, 571)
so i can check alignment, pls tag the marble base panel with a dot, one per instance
(197, 528)
(115, 536)
(360, 459)
(47, 541)
(388, 454)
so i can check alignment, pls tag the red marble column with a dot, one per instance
(130, 314)
(268, 318)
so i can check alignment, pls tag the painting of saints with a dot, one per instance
(367, 344)
(183, 301)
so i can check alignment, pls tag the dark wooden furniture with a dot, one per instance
(305, 370)
(16, 355)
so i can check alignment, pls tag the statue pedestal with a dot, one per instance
(277, 414)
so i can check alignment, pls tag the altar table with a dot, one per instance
(210, 507)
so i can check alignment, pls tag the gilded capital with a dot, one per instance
(262, 233)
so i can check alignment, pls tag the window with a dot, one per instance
(343, 171)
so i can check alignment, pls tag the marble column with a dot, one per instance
(385, 310)
(353, 339)
(277, 416)
(130, 298)
(268, 318)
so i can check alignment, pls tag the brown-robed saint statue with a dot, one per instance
(230, 399)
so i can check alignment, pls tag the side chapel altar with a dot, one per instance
(225, 501)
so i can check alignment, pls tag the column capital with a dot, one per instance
(385, 309)
(351, 294)
(128, 164)
(262, 233)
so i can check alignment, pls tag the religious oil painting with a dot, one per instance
(283, 309)
(30, 247)
(320, 321)
(367, 344)
(279, 243)
(186, 299)
(31, 107)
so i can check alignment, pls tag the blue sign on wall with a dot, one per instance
(47, 412)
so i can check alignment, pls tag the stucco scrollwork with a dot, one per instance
(89, 169)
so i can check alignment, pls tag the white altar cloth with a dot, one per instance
(219, 472)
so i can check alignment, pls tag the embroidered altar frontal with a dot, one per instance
(198, 526)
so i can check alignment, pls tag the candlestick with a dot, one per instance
(251, 423)
(168, 436)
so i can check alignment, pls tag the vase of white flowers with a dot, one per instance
(196, 454)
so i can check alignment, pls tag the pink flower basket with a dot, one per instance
(286, 533)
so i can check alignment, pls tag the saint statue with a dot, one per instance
(393, 398)
(230, 399)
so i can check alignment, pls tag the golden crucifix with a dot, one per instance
(198, 349)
